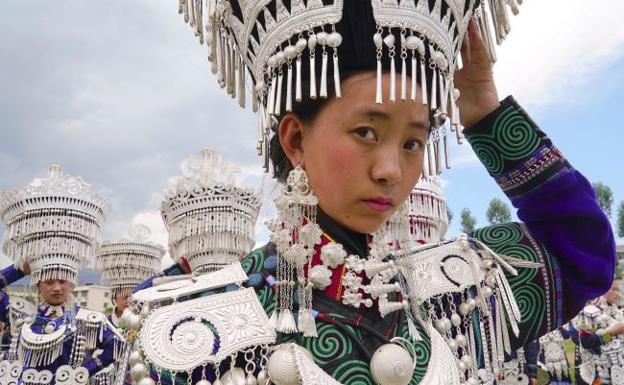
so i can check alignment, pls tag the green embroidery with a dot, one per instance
(422, 350)
(330, 345)
(353, 372)
(252, 263)
(512, 138)
(509, 239)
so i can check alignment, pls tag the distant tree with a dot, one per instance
(604, 196)
(620, 220)
(498, 212)
(449, 214)
(467, 221)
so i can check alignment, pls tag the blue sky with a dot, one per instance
(120, 93)
(587, 127)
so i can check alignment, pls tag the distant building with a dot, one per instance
(94, 297)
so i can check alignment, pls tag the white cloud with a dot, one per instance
(160, 236)
(557, 46)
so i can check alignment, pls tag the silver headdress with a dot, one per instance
(126, 263)
(53, 224)
(428, 218)
(269, 41)
(211, 217)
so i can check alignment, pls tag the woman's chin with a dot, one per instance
(366, 224)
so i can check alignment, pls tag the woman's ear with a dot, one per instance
(290, 135)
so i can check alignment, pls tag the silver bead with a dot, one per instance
(391, 364)
(452, 344)
(461, 340)
(490, 281)
(441, 326)
(487, 292)
(135, 357)
(49, 328)
(251, 380)
(138, 371)
(471, 303)
(263, 378)
(456, 319)
(149, 381)
(282, 367)
(464, 309)
(466, 360)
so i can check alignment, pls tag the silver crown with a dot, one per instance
(127, 262)
(270, 44)
(211, 217)
(53, 224)
(427, 211)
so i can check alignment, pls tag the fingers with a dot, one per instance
(465, 50)
(478, 50)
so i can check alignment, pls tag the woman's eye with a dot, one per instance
(366, 133)
(413, 145)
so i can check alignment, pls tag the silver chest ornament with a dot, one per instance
(180, 337)
(455, 273)
(513, 371)
(555, 361)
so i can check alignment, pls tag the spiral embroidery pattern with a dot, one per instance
(512, 138)
(353, 372)
(509, 239)
(330, 344)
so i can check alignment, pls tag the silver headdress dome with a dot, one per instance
(53, 224)
(427, 214)
(127, 262)
(211, 217)
(293, 50)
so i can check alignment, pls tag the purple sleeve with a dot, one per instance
(4, 310)
(565, 217)
(107, 357)
(9, 275)
(562, 219)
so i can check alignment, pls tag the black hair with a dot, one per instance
(357, 54)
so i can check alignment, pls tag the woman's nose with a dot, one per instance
(387, 167)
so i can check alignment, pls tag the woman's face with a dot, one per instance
(121, 302)
(613, 295)
(55, 291)
(362, 158)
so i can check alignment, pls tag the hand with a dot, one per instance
(475, 81)
(616, 330)
(25, 268)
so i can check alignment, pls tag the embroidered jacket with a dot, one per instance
(67, 339)
(563, 229)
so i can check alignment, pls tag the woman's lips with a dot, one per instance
(380, 205)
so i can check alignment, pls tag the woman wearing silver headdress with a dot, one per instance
(598, 331)
(51, 228)
(356, 98)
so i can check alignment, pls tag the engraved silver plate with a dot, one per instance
(183, 336)
(66, 375)
(9, 372)
(448, 268)
(232, 274)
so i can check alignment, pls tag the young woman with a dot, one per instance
(51, 227)
(56, 314)
(363, 158)
(350, 150)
